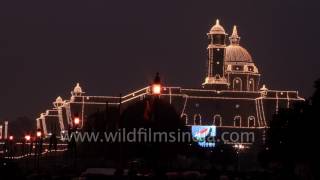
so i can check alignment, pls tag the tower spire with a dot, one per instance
(234, 31)
(217, 28)
(234, 38)
(216, 53)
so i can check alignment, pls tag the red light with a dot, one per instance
(76, 121)
(10, 138)
(27, 137)
(39, 133)
(156, 89)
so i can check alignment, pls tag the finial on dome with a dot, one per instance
(59, 99)
(78, 88)
(234, 38)
(217, 28)
(58, 103)
(234, 31)
(42, 115)
(264, 88)
(77, 91)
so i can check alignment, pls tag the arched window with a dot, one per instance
(184, 118)
(237, 121)
(217, 120)
(197, 119)
(251, 85)
(251, 121)
(237, 84)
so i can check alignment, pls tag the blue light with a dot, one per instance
(204, 135)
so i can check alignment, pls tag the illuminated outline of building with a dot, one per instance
(230, 97)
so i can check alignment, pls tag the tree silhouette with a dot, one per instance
(159, 116)
(292, 136)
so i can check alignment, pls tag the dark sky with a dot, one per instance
(117, 46)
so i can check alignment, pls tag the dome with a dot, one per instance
(59, 100)
(217, 29)
(77, 89)
(58, 103)
(236, 53)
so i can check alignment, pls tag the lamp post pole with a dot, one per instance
(27, 140)
(26, 148)
(76, 122)
(11, 147)
(156, 88)
(38, 148)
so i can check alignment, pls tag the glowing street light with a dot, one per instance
(10, 138)
(156, 86)
(76, 121)
(239, 146)
(39, 133)
(156, 89)
(27, 137)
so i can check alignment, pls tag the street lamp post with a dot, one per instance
(38, 148)
(156, 90)
(39, 133)
(239, 148)
(27, 140)
(76, 122)
(11, 138)
(27, 149)
(11, 148)
(156, 87)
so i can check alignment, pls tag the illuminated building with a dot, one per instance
(0, 132)
(6, 129)
(231, 95)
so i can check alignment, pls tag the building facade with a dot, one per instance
(231, 95)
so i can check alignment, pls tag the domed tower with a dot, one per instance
(216, 51)
(240, 71)
(77, 90)
(58, 104)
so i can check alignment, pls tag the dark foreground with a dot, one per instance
(57, 165)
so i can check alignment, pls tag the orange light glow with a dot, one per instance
(156, 89)
(27, 137)
(76, 121)
(39, 134)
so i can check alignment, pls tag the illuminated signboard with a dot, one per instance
(204, 135)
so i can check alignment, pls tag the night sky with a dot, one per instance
(113, 47)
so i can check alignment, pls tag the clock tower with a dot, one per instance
(216, 52)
